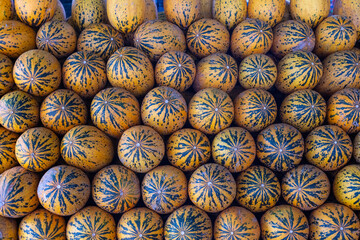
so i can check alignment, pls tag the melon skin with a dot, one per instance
(182, 13)
(7, 150)
(87, 12)
(311, 12)
(230, 13)
(6, 74)
(60, 14)
(350, 9)
(270, 11)
(35, 13)
(8, 228)
(151, 12)
(7, 11)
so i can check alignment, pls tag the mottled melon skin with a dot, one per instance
(87, 12)
(230, 13)
(182, 13)
(311, 12)
(270, 11)
(35, 13)
(350, 9)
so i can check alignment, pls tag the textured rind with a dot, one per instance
(350, 9)
(347, 186)
(6, 74)
(230, 13)
(8, 228)
(311, 12)
(7, 149)
(182, 13)
(87, 12)
(7, 10)
(59, 14)
(35, 13)
(270, 11)
(356, 152)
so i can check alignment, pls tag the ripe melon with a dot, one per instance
(350, 9)
(59, 14)
(35, 13)
(311, 12)
(8, 228)
(151, 12)
(182, 13)
(87, 12)
(270, 11)
(7, 149)
(7, 11)
(230, 13)
(356, 151)
(347, 186)
(6, 74)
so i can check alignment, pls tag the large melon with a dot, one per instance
(35, 12)
(350, 9)
(270, 11)
(87, 12)
(6, 74)
(311, 12)
(230, 13)
(182, 13)
(7, 149)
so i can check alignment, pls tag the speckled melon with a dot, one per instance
(7, 11)
(350, 9)
(356, 151)
(347, 186)
(270, 11)
(151, 12)
(6, 74)
(230, 13)
(182, 13)
(8, 228)
(87, 12)
(7, 149)
(206, 7)
(59, 14)
(35, 13)
(311, 12)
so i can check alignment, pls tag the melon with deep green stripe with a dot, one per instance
(347, 186)
(35, 13)
(269, 11)
(87, 12)
(230, 13)
(182, 13)
(310, 11)
(7, 149)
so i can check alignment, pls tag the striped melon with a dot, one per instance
(164, 189)
(257, 71)
(140, 223)
(251, 36)
(347, 186)
(57, 37)
(269, 11)
(37, 149)
(164, 109)
(129, 68)
(212, 188)
(189, 222)
(255, 109)
(6, 74)
(280, 147)
(113, 110)
(311, 12)
(42, 224)
(19, 111)
(87, 12)
(7, 149)
(258, 189)
(157, 37)
(7, 11)
(304, 110)
(62, 110)
(236, 223)
(182, 13)
(335, 33)
(91, 223)
(234, 148)
(8, 228)
(356, 151)
(350, 9)
(141, 149)
(59, 14)
(207, 36)
(64, 190)
(334, 221)
(37, 72)
(188, 149)
(217, 70)
(230, 13)
(18, 192)
(35, 13)
(116, 189)
(305, 187)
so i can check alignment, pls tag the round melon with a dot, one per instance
(305, 187)
(87, 12)
(270, 11)
(59, 14)
(64, 190)
(347, 186)
(19, 111)
(164, 189)
(304, 110)
(236, 223)
(340, 71)
(328, 147)
(91, 223)
(280, 147)
(87, 148)
(62, 110)
(8, 228)
(141, 149)
(37, 72)
(188, 149)
(116, 189)
(42, 224)
(84, 73)
(350, 9)
(182, 13)
(35, 13)
(251, 36)
(176, 70)
(258, 189)
(230, 13)
(157, 37)
(16, 39)
(311, 12)
(344, 110)
(356, 151)
(234, 148)
(151, 12)
(6, 74)
(113, 110)
(37, 149)
(194, 224)
(129, 68)
(298, 70)
(284, 222)
(217, 70)
(7, 11)
(18, 192)
(257, 71)
(212, 188)
(255, 109)
(211, 110)
(57, 37)
(292, 36)
(334, 221)
(7, 149)
(207, 36)
(164, 109)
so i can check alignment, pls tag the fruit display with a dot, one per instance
(191, 120)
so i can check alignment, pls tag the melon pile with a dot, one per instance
(216, 120)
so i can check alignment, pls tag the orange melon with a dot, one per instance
(207, 36)
(7, 11)
(230, 13)
(311, 12)
(56, 37)
(292, 36)
(335, 33)
(8, 228)
(182, 13)
(59, 14)
(151, 12)
(126, 15)
(269, 11)
(206, 7)
(349, 9)
(7, 149)
(157, 37)
(35, 13)
(37, 72)
(287, 14)
(6, 74)
(356, 151)
(17, 38)
(217, 70)
(87, 12)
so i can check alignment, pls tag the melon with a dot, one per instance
(35, 13)
(7, 149)
(7, 11)
(270, 11)
(59, 14)
(356, 151)
(311, 12)
(6, 74)
(182, 13)
(8, 228)
(230, 13)
(347, 186)
(350, 9)
(87, 12)
(151, 12)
